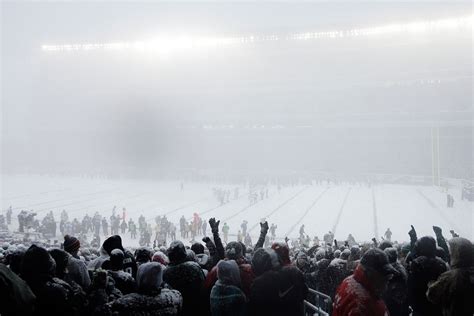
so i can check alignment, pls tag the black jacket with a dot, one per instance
(454, 289)
(423, 270)
(278, 292)
(187, 278)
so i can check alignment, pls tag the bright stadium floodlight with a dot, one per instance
(166, 45)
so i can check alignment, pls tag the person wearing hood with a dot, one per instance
(233, 251)
(53, 296)
(303, 263)
(336, 272)
(227, 299)
(185, 276)
(425, 268)
(16, 292)
(320, 276)
(276, 290)
(151, 298)
(61, 258)
(123, 280)
(360, 293)
(395, 297)
(77, 269)
(14, 258)
(454, 289)
(129, 262)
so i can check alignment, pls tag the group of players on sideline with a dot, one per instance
(426, 276)
(89, 229)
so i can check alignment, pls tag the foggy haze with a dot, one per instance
(352, 105)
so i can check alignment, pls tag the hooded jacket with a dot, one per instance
(395, 297)
(53, 296)
(226, 296)
(16, 292)
(151, 299)
(424, 269)
(276, 290)
(454, 289)
(356, 297)
(129, 262)
(77, 271)
(233, 251)
(185, 276)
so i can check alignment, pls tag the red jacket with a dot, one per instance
(355, 297)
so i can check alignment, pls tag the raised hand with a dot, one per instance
(206, 239)
(214, 225)
(437, 230)
(264, 227)
(453, 233)
(412, 232)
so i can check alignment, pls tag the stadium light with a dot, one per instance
(186, 43)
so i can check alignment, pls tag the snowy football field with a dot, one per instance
(363, 211)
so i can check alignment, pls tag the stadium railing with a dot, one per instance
(320, 306)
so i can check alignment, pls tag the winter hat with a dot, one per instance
(14, 260)
(190, 255)
(116, 259)
(21, 247)
(391, 254)
(264, 260)
(462, 253)
(198, 248)
(405, 249)
(71, 244)
(302, 261)
(228, 272)
(337, 253)
(385, 244)
(233, 250)
(283, 252)
(12, 249)
(143, 255)
(345, 254)
(377, 260)
(426, 246)
(149, 277)
(61, 258)
(320, 254)
(85, 252)
(37, 264)
(355, 252)
(111, 243)
(160, 257)
(177, 252)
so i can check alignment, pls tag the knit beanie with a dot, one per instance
(71, 244)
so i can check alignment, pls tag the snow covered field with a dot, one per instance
(365, 212)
